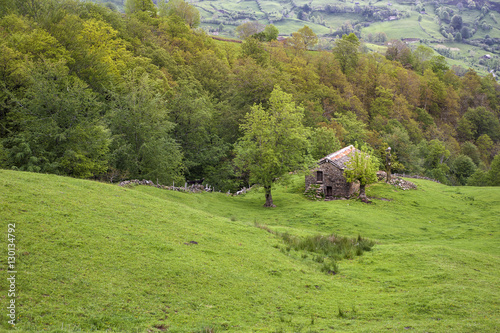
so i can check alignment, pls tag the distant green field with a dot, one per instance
(98, 257)
(376, 48)
(336, 20)
(287, 26)
(407, 27)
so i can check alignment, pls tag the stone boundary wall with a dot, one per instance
(416, 177)
(195, 188)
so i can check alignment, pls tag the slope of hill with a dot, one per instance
(464, 32)
(93, 256)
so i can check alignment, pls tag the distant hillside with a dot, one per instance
(98, 257)
(467, 33)
(436, 24)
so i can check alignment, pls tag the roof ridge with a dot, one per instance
(339, 157)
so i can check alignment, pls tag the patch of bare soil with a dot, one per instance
(441, 46)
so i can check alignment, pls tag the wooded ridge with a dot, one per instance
(88, 92)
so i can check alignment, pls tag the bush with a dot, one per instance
(478, 178)
(463, 167)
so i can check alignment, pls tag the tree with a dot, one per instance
(303, 39)
(142, 144)
(271, 32)
(134, 6)
(274, 141)
(346, 52)
(397, 50)
(362, 167)
(296, 43)
(6, 7)
(56, 126)
(478, 178)
(323, 142)
(466, 34)
(422, 55)
(249, 29)
(308, 37)
(483, 121)
(485, 148)
(434, 153)
(493, 176)
(354, 129)
(463, 167)
(456, 22)
(470, 149)
(439, 66)
(252, 48)
(193, 113)
(182, 9)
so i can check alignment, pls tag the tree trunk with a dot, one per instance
(269, 197)
(362, 194)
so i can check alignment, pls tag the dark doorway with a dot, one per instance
(329, 191)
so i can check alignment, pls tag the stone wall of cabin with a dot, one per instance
(334, 177)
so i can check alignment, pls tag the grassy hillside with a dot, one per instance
(93, 256)
(424, 20)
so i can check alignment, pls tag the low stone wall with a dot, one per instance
(195, 188)
(402, 184)
(416, 177)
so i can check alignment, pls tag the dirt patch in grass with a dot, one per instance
(441, 46)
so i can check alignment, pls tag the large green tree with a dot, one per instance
(271, 32)
(56, 126)
(135, 6)
(248, 29)
(493, 176)
(142, 145)
(462, 168)
(182, 9)
(274, 141)
(346, 51)
(362, 167)
(303, 39)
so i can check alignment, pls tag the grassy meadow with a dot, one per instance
(427, 30)
(98, 257)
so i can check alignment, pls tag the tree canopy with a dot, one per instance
(274, 141)
(88, 92)
(362, 167)
(346, 52)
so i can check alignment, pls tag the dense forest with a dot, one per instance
(89, 92)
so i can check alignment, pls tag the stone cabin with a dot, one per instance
(328, 177)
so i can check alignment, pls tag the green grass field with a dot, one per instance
(98, 257)
(287, 26)
(408, 27)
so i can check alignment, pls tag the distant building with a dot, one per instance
(328, 180)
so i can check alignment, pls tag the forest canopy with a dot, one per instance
(88, 92)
